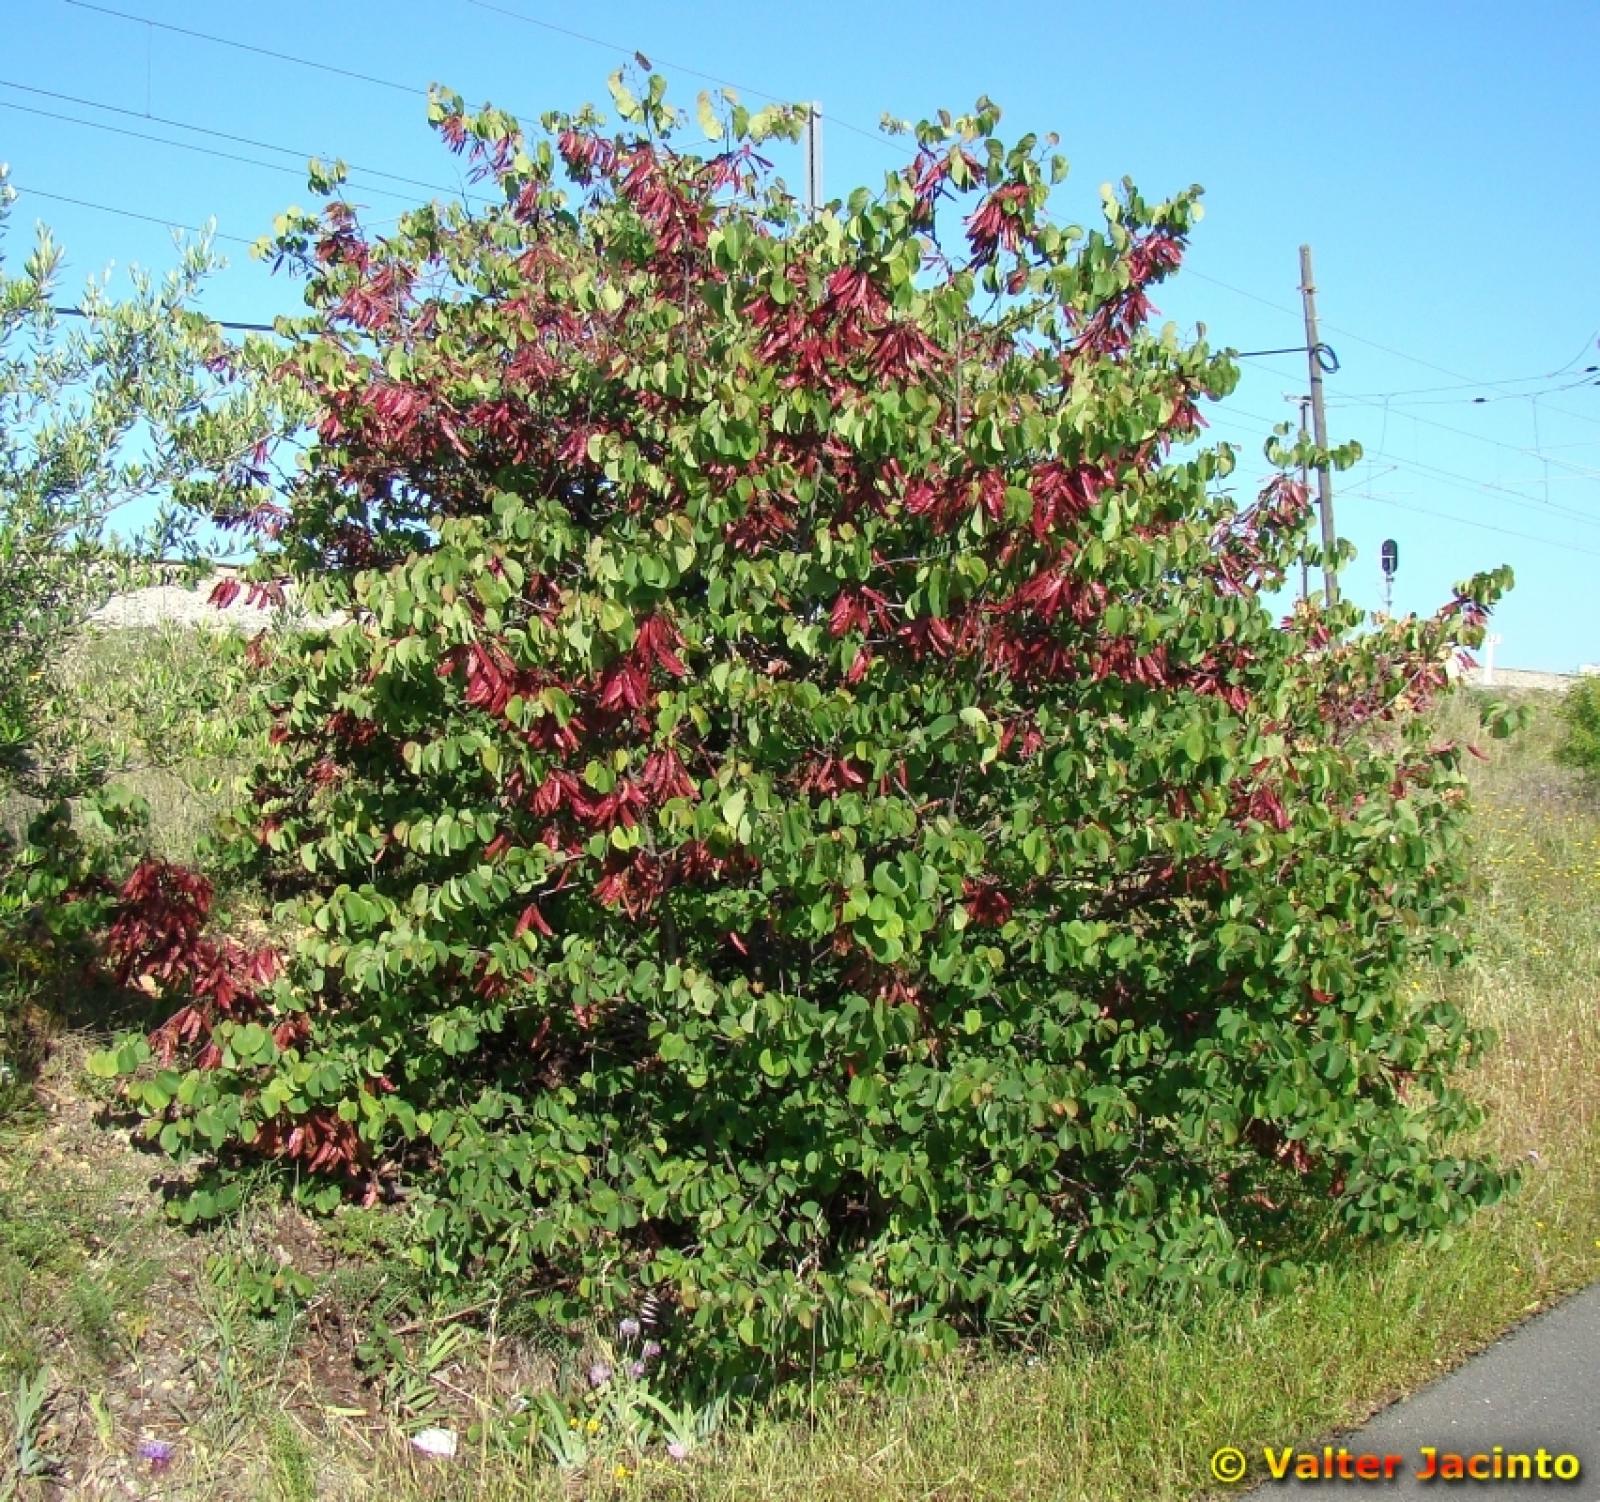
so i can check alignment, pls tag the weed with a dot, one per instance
(409, 1375)
(258, 1285)
(29, 1408)
(292, 1470)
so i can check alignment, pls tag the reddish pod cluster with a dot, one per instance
(999, 222)
(678, 222)
(635, 880)
(855, 609)
(266, 519)
(1254, 798)
(320, 1141)
(618, 695)
(1269, 1139)
(379, 301)
(341, 242)
(1022, 734)
(1110, 329)
(986, 903)
(158, 942)
(928, 636)
(1155, 255)
(1062, 494)
(1242, 562)
(1404, 675)
(930, 179)
(830, 775)
(257, 593)
(819, 346)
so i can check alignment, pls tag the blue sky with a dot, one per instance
(1438, 157)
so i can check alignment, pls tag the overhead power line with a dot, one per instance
(618, 48)
(623, 50)
(221, 323)
(413, 89)
(1562, 544)
(1548, 375)
(1387, 349)
(1588, 378)
(1466, 521)
(1445, 427)
(1512, 497)
(222, 135)
(106, 208)
(282, 57)
(1433, 473)
(226, 156)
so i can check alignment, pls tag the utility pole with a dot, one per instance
(1319, 420)
(1305, 486)
(813, 140)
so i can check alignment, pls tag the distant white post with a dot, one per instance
(1489, 644)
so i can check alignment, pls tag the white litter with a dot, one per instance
(439, 1442)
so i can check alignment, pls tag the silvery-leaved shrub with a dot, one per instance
(112, 407)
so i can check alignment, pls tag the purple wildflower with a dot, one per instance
(636, 1368)
(628, 1329)
(599, 1374)
(677, 1449)
(158, 1452)
(652, 1349)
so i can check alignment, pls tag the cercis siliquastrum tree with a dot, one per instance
(812, 815)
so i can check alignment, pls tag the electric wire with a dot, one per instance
(1496, 491)
(1446, 427)
(221, 323)
(1279, 307)
(1465, 521)
(619, 48)
(222, 135)
(1562, 543)
(413, 89)
(1548, 375)
(1591, 377)
(616, 47)
(282, 57)
(227, 156)
(24, 191)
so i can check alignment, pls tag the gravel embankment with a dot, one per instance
(172, 604)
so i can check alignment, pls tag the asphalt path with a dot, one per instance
(1537, 1388)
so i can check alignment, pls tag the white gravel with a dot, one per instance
(173, 604)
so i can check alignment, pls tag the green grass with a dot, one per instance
(275, 1395)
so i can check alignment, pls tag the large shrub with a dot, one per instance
(811, 825)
